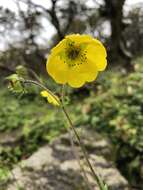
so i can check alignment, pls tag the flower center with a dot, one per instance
(73, 53)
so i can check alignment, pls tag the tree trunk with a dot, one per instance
(114, 10)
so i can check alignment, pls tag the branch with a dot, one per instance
(55, 20)
(71, 15)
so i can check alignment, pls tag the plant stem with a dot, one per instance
(73, 145)
(41, 86)
(82, 148)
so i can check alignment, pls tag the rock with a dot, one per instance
(54, 167)
(41, 158)
(10, 138)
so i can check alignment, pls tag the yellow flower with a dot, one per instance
(76, 60)
(51, 98)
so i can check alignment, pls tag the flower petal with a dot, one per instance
(96, 54)
(84, 38)
(57, 69)
(74, 80)
(52, 99)
(77, 80)
(59, 47)
(89, 77)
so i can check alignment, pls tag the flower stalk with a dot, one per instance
(82, 147)
(82, 169)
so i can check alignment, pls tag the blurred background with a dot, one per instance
(112, 106)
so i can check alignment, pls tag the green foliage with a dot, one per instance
(26, 123)
(4, 173)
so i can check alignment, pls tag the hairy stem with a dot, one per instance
(41, 86)
(74, 147)
(82, 147)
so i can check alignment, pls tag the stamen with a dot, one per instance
(75, 54)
